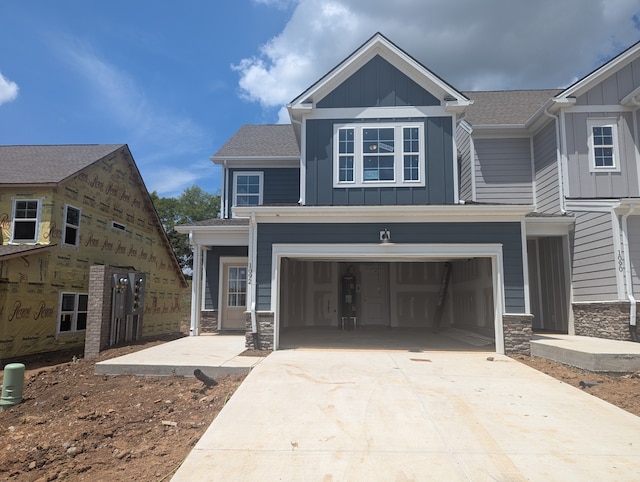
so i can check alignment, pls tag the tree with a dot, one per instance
(192, 205)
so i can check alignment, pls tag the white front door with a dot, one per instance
(374, 282)
(233, 300)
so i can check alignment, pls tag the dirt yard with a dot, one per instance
(74, 425)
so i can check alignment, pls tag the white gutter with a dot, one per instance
(563, 207)
(253, 239)
(627, 267)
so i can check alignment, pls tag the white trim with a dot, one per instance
(525, 266)
(568, 269)
(223, 260)
(263, 162)
(617, 250)
(472, 153)
(259, 174)
(378, 112)
(303, 163)
(205, 279)
(636, 145)
(74, 315)
(76, 227)
(217, 235)
(37, 221)
(599, 205)
(563, 174)
(196, 287)
(534, 182)
(391, 253)
(454, 157)
(547, 226)
(611, 122)
(596, 109)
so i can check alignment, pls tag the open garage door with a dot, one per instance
(390, 298)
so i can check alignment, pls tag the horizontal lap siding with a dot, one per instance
(594, 264)
(633, 223)
(503, 171)
(546, 170)
(507, 234)
(319, 162)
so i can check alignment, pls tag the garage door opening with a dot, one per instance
(445, 303)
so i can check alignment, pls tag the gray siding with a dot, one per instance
(614, 88)
(212, 279)
(594, 263)
(586, 184)
(438, 169)
(546, 170)
(633, 223)
(508, 234)
(463, 144)
(281, 185)
(503, 171)
(377, 84)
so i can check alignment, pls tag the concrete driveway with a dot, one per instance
(394, 415)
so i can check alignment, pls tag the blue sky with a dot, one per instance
(174, 80)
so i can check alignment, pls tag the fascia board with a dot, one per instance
(600, 205)
(389, 214)
(632, 100)
(186, 229)
(598, 75)
(256, 161)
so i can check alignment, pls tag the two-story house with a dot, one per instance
(68, 215)
(393, 199)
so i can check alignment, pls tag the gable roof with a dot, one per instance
(266, 141)
(378, 44)
(506, 107)
(49, 164)
(16, 250)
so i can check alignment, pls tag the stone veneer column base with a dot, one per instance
(609, 320)
(517, 334)
(209, 321)
(265, 320)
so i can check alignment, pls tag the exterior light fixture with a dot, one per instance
(385, 236)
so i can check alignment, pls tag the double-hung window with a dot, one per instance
(73, 312)
(247, 188)
(603, 148)
(390, 154)
(71, 231)
(26, 214)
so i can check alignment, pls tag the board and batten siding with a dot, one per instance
(508, 234)
(614, 88)
(439, 188)
(281, 185)
(503, 171)
(586, 184)
(463, 144)
(546, 170)
(594, 258)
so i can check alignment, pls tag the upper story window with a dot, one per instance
(247, 188)
(379, 155)
(26, 213)
(603, 146)
(71, 231)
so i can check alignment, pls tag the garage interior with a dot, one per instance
(442, 303)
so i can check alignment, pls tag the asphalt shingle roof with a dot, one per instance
(267, 140)
(48, 164)
(506, 107)
(10, 250)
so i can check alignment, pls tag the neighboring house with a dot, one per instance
(63, 210)
(497, 213)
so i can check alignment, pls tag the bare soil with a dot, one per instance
(74, 425)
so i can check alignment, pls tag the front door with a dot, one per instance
(233, 301)
(374, 304)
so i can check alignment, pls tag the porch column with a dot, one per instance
(196, 288)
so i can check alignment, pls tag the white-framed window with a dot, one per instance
(72, 315)
(603, 145)
(26, 220)
(247, 188)
(389, 154)
(237, 289)
(71, 228)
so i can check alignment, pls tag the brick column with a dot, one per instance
(99, 310)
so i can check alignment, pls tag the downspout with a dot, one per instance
(252, 280)
(563, 206)
(224, 205)
(194, 328)
(628, 280)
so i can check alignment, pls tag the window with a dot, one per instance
(603, 149)
(379, 155)
(237, 294)
(73, 312)
(71, 232)
(25, 220)
(247, 188)
(118, 226)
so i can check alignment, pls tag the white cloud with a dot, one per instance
(473, 45)
(8, 90)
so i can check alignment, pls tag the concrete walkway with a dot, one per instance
(356, 415)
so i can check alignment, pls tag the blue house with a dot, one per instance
(395, 200)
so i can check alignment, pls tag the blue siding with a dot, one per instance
(508, 234)
(213, 272)
(281, 185)
(377, 84)
(439, 187)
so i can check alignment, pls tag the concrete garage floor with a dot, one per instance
(411, 414)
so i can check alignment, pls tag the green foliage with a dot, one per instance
(192, 205)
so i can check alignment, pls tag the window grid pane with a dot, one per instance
(247, 190)
(603, 146)
(237, 287)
